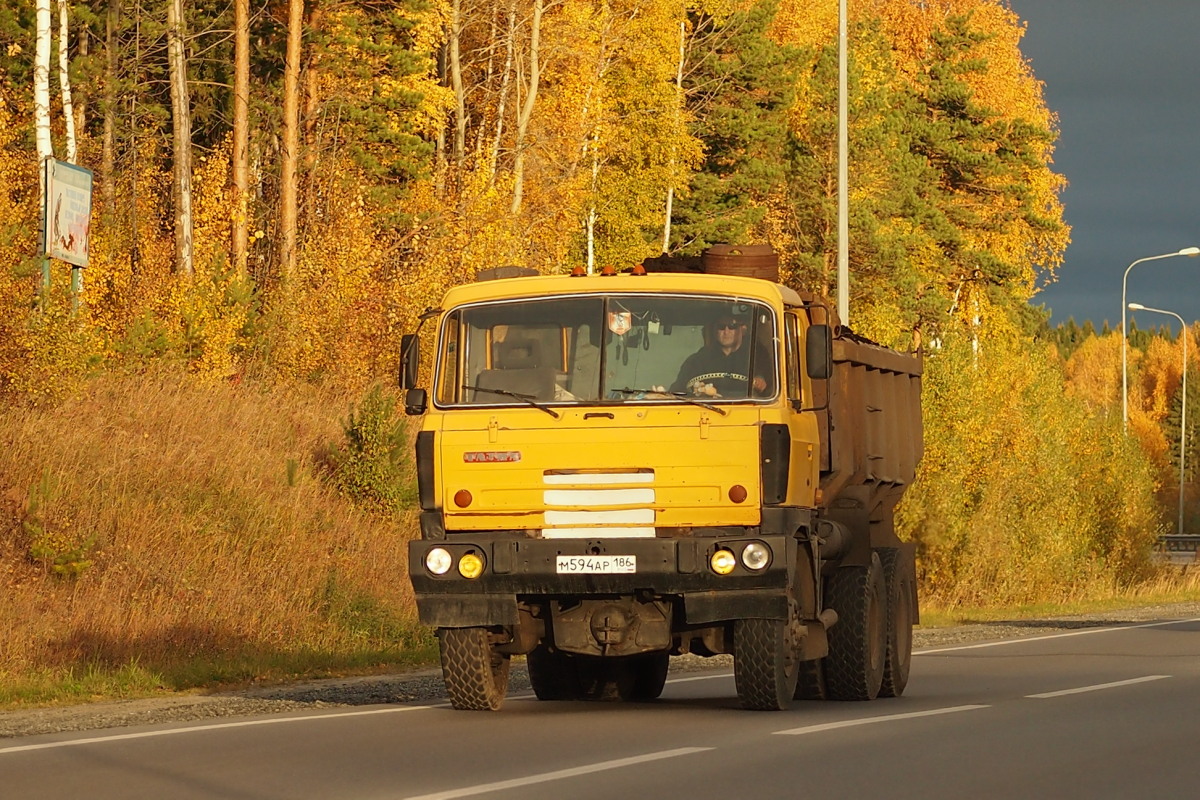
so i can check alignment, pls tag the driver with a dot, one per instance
(721, 367)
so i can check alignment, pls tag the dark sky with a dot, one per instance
(1124, 78)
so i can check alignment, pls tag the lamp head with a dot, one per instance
(1190, 251)
(1136, 307)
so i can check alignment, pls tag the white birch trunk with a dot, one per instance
(64, 77)
(41, 89)
(456, 82)
(505, 81)
(289, 160)
(525, 114)
(666, 240)
(181, 126)
(108, 146)
(241, 134)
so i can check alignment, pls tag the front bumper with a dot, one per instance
(523, 568)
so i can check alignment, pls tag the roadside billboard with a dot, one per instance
(67, 211)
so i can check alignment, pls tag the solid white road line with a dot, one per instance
(117, 737)
(545, 777)
(850, 723)
(1084, 632)
(1099, 686)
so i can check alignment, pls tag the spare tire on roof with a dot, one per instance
(746, 260)
(496, 273)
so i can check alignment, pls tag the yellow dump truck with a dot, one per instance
(618, 468)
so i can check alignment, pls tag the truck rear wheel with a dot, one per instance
(476, 674)
(899, 579)
(810, 685)
(764, 664)
(553, 674)
(644, 677)
(858, 641)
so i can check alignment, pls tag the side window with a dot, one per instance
(449, 362)
(793, 357)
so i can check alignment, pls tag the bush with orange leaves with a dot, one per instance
(1025, 495)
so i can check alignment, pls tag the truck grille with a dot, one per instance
(610, 504)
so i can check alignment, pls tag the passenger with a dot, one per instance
(721, 367)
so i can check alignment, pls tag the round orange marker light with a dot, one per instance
(470, 566)
(722, 562)
(462, 498)
(578, 272)
(738, 493)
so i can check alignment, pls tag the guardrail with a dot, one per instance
(1178, 543)
(1178, 549)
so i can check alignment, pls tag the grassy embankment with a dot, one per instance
(157, 534)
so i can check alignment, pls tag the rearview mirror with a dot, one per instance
(410, 360)
(818, 352)
(415, 402)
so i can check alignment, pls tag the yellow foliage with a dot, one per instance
(1003, 445)
(1094, 372)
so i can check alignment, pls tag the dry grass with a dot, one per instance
(207, 546)
(1169, 584)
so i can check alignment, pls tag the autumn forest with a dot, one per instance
(282, 187)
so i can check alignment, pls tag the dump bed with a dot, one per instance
(872, 436)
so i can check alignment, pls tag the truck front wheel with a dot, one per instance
(858, 641)
(764, 664)
(476, 674)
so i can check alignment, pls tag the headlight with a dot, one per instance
(722, 562)
(470, 566)
(438, 561)
(756, 556)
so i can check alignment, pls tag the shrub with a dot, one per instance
(371, 465)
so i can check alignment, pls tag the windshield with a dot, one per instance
(614, 348)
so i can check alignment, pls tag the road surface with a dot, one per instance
(1094, 712)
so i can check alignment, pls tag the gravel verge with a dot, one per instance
(425, 686)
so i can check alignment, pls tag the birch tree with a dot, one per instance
(456, 82)
(181, 128)
(64, 78)
(288, 214)
(241, 133)
(525, 113)
(41, 88)
(108, 142)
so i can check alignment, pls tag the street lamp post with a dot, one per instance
(1183, 334)
(1187, 251)
(843, 158)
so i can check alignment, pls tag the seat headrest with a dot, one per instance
(518, 354)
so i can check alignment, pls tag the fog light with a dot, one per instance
(756, 556)
(438, 561)
(470, 566)
(722, 562)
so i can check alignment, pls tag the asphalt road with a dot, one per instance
(1100, 712)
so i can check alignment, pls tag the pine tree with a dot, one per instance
(739, 90)
(982, 160)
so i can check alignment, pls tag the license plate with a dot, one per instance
(596, 565)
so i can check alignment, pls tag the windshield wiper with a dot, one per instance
(678, 395)
(528, 399)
